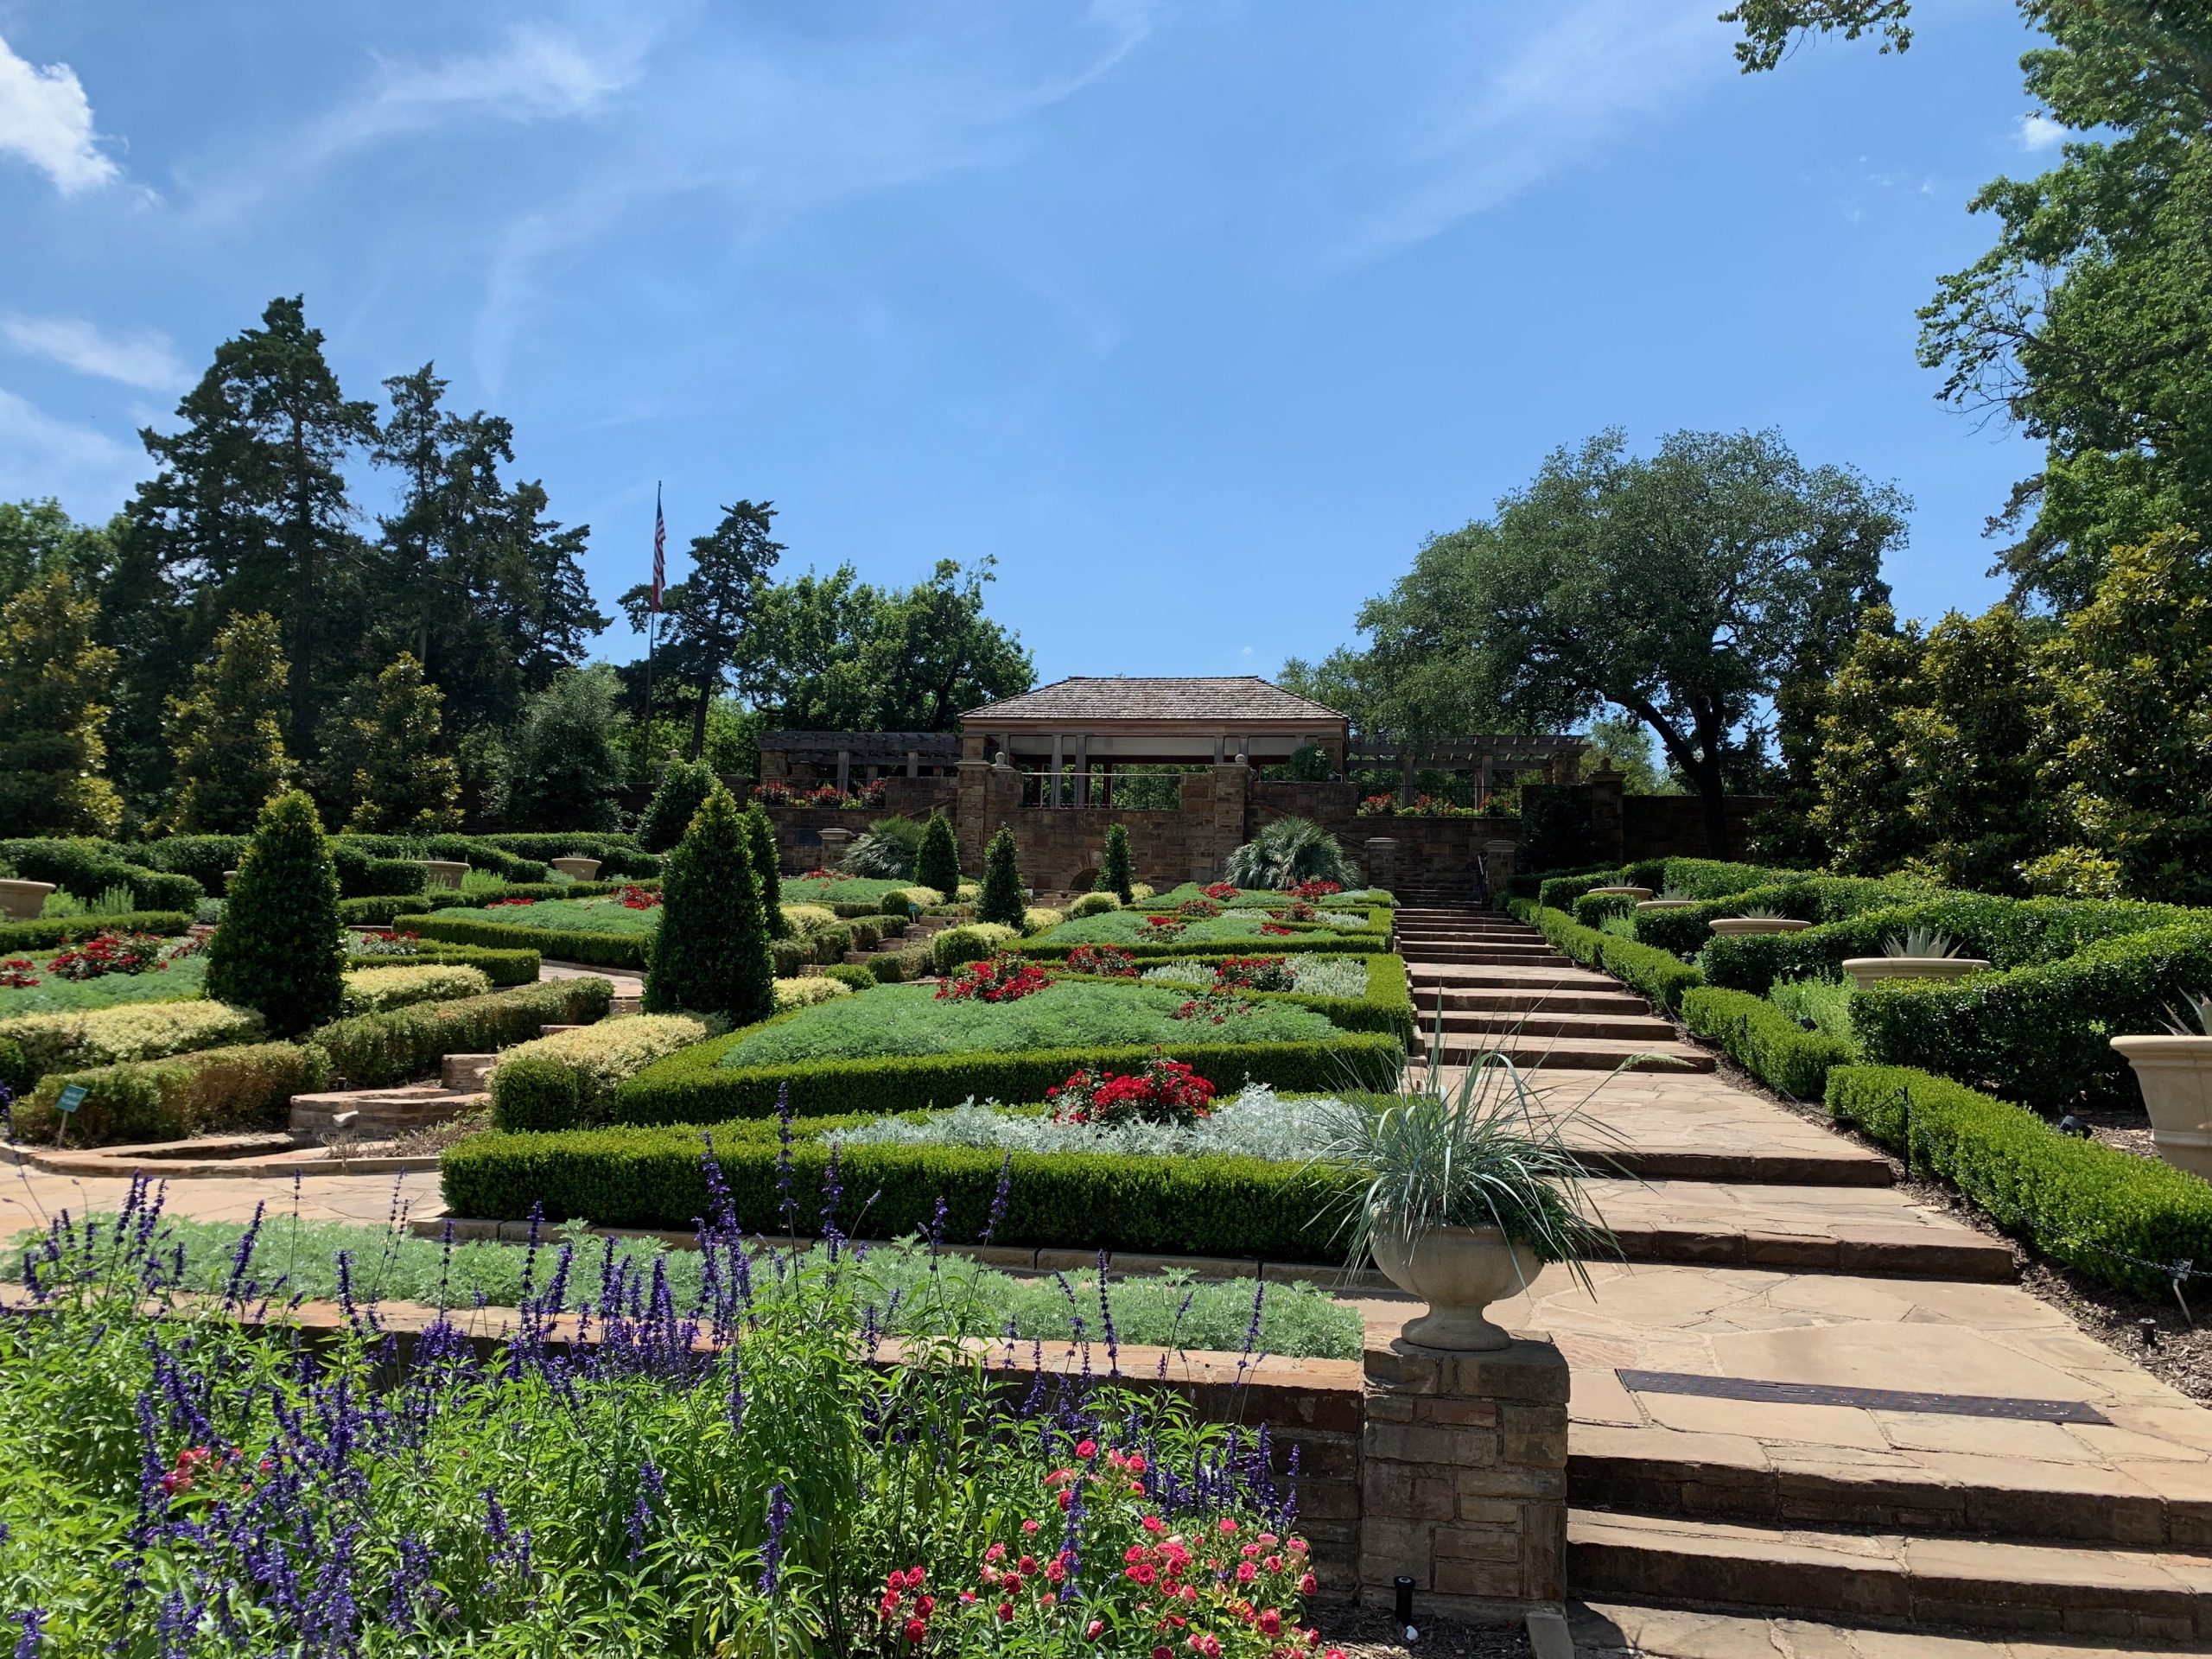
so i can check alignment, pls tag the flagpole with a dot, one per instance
(652, 626)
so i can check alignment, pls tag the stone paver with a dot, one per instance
(29, 1199)
(1871, 1229)
(1613, 1630)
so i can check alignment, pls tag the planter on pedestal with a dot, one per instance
(581, 869)
(21, 901)
(1732, 927)
(1458, 1271)
(1654, 904)
(1863, 971)
(442, 873)
(1624, 892)
(2175, 1076)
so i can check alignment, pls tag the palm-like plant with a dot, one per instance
(1922, 941)
(1289, 851)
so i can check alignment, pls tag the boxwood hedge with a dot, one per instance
(374, 1050)
(1215, 1205)
(2107, 1213)
(1658, 974)
(1305, 936)
(1387, 1004)
(600, 949)
(1816, 899)
(1764, 1040)
(502, 968)
(46, 934)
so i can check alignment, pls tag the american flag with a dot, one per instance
(660, 551)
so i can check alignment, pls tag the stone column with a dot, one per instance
(1499, 859)
(1232, 802)
(1083, 768)
(1378, 857)
(844, 771)
(1463, 1478)
(1607, 820)
(971, 809)
(834, 843)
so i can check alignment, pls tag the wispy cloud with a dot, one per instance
(46, 120)
(40, 455)
(142, 358)
(1578, 83)
(2040, 132)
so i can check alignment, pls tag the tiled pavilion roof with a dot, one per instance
(1199, 699)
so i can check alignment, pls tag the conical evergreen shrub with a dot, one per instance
(711, 956)
(684, 786)
(1114, 875)
(1002, 900)
(938, 862)
(760, 838)
(279, 949)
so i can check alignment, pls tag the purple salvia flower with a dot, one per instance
(786, 1206)
(772, 1550)
(999, 1198)
(34, 1620)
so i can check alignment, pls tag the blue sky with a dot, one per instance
(1199, 316)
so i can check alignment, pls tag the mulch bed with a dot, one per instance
(1365, 1633)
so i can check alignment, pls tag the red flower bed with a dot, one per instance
(1102, 959)
(1212, 1007)
(508, 904)
(17, 974)
(1276, 929)
(772, 794)
(1200, 907)
(1165, 1091)
(1297, 911)
(1222, 891)
(1314, 889)
(636, 898)
(1002, 979)
(109, 953)
(1255, 973)
(1164, 927)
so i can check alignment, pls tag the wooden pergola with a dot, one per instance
(1490, 755)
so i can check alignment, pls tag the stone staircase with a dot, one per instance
(1758, 1246)
(1492, 985)
(380, 1114)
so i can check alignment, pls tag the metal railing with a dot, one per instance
(1104, 791)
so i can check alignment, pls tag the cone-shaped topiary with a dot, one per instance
(711, 956)
(1114, 875)
(938, 862)
(1002, 900)
(279, 949)
(684, 786)
(760, 837)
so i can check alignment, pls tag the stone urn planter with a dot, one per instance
(21, 901)
(581, 869)
(441, 873)
(229, 876)
(1624, 892)
(1656, 905)
(1863, 971)
(1457, 1271)
(2175, 1074)
(1730, 927)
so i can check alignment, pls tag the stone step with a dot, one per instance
(1486, 955)
(1528, 1023)
(465, 1071)
(1796, 1228)
(1437, 931)
(1882, 1579)
(1656, 1472)
(380, 1111)
(623, 1004)
(1457, 1001)
(1580, 1053)
(1430, 976)
(1619, 1629)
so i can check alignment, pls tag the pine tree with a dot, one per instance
(562, 769)
(712, 956)
(405, 786)
(936, 864)
(1113, 874)
(50, 746)
(760, 835)
(1002, 900)
(682, 788)
(225, 735)
(279, 949)
(708, 618)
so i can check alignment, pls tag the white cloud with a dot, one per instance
(2040, 132)
(46, 120)
(1559, 96)
(142, 358)
(86, 470)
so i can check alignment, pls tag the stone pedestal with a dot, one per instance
(834, 843)
(1463, 1478)
(1500, 858)
(1378, 862)
(442, 871)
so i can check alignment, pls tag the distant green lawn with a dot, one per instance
(1237, 927)
(909, 1019)
(180, 982)
(845, 890)
(604, 915)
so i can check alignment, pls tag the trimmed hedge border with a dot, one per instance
(1388, 1005)
(1819, 899)
(695, 1087)
(1764, 1040)
(1661, 976)
(2087, 1205)
(600, 949)
(502, 968)
(246, 1086)
(1377, 932)
(46, 935)
(638, 1177)
(372, 1051)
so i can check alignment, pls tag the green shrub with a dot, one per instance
(2042, 1033)
(618, 855)
(209, 1091)
(768, 873)
(955, 946)
(203, 858)
(1764, 1040)
(85, 867)
(682, 791)
(901, 967)
(1002, 902)
(852, 974)
(788, 957)
(33, 1044)
(1215, 1205)
(937, 862)
(394, 984)
(1560, 892)
(362, 874)
(375, 1050)
(1596, 909)
(695, 1087)
(828, 944)
(279, 948)
(563, 1082)
(1812, 899)
(1657, 975)
(502, 968)
(712, 956)
(50, 933)
(1115, 871)
(559, 945)
(1094, 903)
(2087, 1205)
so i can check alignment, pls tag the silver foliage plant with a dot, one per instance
(1257, 1123)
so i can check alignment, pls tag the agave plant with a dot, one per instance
(1764, 913)
(1487, 1151)
(2192, 1019)
(1289, 851)
(1920, 942)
